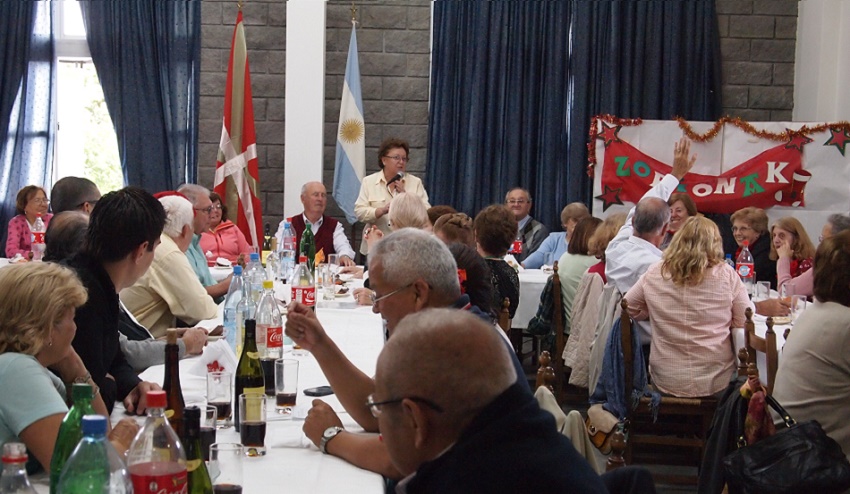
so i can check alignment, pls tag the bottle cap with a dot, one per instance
(268, 284)
(302, 259)
(255, 256)
(729, 256)
(14, 453)
(237, 270)
(156, 399)
(746, 243)
(81, 391)
(94, 424)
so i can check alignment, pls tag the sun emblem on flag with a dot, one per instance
(351, 130)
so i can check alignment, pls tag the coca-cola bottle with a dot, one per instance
(171, 384)
(14, 478)
(269, 333)
(156, 459)
(38, 230)
(303, 287)
(71, 430)
(746, 268)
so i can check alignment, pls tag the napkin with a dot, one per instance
(217, 356)
(510, 259)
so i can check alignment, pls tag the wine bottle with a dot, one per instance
(199, 477)
(171, 385)
(249, 372)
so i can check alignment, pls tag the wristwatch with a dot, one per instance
(329, 434)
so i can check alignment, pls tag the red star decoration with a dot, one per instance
(609, 134)
(610, 197)
(839, 139)
(797, 141)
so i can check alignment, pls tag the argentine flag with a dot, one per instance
(350, 143)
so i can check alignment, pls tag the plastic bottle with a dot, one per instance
(516, 246)
(71, 431)
(249, 371)
(308, 248)
(273, 264)
(287, 252)
(254, 276)
(14, 478)
(38, 229)
(745, 267)
(729, 260)
(234, 295)
(156, 458)
(199, 477)
(171, 384)
(244, 311)
(269, 333)
(303, 287)
(94, 466)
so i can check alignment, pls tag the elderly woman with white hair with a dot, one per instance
(170, 289)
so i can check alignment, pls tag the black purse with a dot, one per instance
(799, 458)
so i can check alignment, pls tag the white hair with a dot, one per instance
(408, 210)
(408, 254)
(194, 192)
(178, 214)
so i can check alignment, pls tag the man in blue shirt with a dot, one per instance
(556, 243)
(200, 198)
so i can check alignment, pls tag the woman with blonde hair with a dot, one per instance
(36, 330)
(791, 247)
(692, 298)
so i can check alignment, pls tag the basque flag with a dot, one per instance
(237, 178)
(350, 140)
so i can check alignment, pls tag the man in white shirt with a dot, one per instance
(331, 239)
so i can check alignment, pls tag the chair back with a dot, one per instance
(766, 345)
(505, 316)
(558, 325)
(628, 350)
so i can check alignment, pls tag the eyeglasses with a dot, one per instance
(514, 202)
(205, 210)
(217, 206)
(375, 406)
(93, 203)
(403, 159)
(39, 201)
(742, 229)
(375, 300)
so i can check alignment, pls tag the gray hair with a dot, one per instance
(408, 210)
(527, 193)
(651, 213)
(409, 254)
(194, 192)
(838, 222)
(178, 214)
(450, 357)
(65, 234)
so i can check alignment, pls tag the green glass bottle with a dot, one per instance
(308, 248)
(199, 477)
(249, 371)
(71, 430)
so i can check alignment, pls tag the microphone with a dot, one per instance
(399, 176)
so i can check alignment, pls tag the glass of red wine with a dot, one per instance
(285, 384)
(252, 426)
(209, 422)
(225, 468)
(220, 395)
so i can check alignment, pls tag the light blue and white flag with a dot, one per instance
(350, 140)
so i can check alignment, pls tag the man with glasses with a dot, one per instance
(464, 424)
(202, 205)
(378, 189)
(74, 194)
(409, 271)
(530, 233)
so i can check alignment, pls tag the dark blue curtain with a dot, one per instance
(514, 85)
(498, 104)
(26, 103)
(147, 56)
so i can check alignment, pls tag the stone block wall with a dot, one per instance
(757, 43)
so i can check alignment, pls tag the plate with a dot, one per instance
(346, 276)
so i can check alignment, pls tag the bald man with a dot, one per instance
(454, 420)
(328, 232)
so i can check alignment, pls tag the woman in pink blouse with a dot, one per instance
(790, 244)
(692, 298)
(223, 239)
(31, 201)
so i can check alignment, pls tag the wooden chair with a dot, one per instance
(766, 345)
(682, 425)
(519, 337)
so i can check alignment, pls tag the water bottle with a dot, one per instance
(234, 295)
(244, 311)
(71, 431)
(14, 479)
(729, 260)
(287, 253)
(156, 458)
(94, 466)
(273, 265)
(38, 229)
(745, 268)
(254, 276)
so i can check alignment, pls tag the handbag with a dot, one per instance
(600, 425)
(799, 458)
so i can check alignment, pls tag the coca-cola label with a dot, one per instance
(274, 337)
(745, 270)
(167, 483)
(38, 237)
(305, 295)
(516, 247)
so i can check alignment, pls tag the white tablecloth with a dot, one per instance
(531, 283)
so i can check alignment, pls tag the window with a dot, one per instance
(86, 145)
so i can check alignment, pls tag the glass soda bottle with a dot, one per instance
(308, 248)
(94, 466)
(171, 384)
(156, 458)
(234, 295)
(14, 478)
(38, 230)
(71, 430)
(199, 477)
(303, 287)
(745, 267)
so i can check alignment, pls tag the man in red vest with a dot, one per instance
(328, 232)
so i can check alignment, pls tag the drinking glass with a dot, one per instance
(548, 260)
(285, 385)
(225, 468)
(220, 395)
(762, 291)
(798, 305)
(252, 429)
(209, 422)
(328, 286)
(333, 262)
